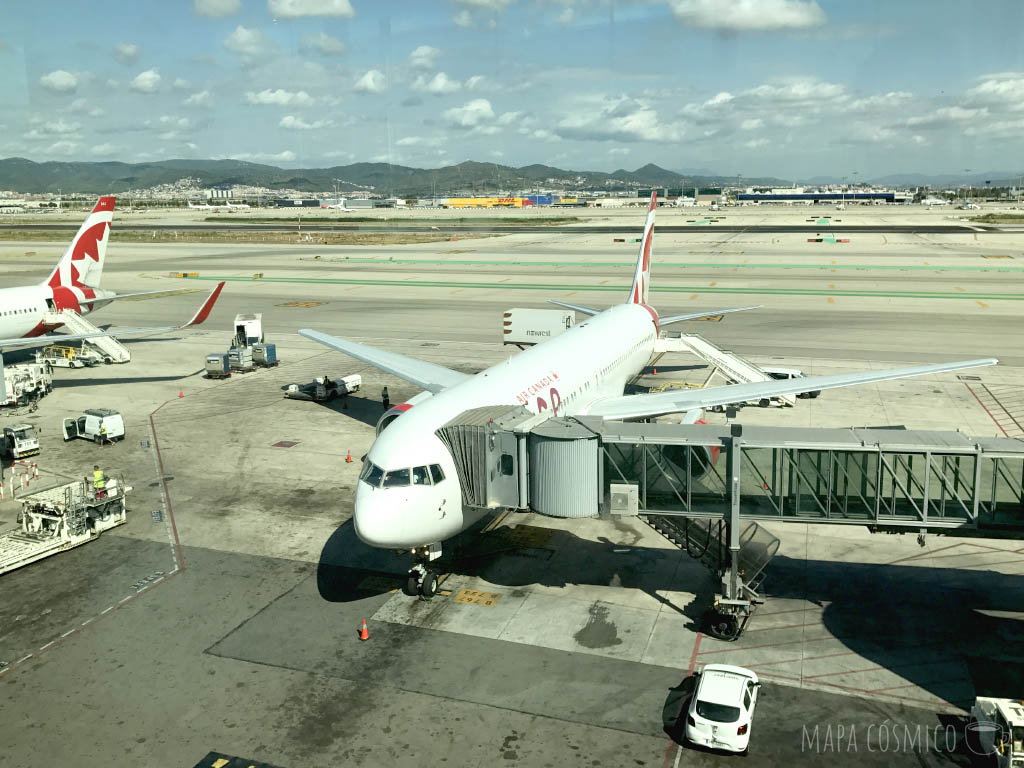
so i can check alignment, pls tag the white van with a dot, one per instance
(90, 425)
(778, 372)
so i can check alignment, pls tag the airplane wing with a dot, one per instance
(166, 291)
(676, 401)
(663, 321)
(577, 307)
(428, 376)
(38, 341)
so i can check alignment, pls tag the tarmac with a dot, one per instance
(221, 621)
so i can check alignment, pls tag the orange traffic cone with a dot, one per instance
(344, 404)
(364, 633)
(655, 371)
(181, 393)
(348, 457)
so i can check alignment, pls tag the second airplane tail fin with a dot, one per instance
(82, 262)
(642, 276)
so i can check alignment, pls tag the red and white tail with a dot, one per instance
(642, 276)
(81, 266)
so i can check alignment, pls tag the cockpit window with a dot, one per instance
(372, 474)
(420, 476)
(436, 473)
(396, 478)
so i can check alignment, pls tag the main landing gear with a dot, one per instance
(421, 580)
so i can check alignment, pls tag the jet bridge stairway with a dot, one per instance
(706, 540)
(111, 349)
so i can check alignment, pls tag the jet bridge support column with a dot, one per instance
(732, 608)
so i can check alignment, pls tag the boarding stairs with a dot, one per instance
(735, 369)
(111, 349)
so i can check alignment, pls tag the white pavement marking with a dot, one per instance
(44, 647)
(124, 599)
(108, 609)
(68, 633)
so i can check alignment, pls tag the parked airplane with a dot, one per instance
(409, 497)
(225, 207)
(28, 312)
(930, 201)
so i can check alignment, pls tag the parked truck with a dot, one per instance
(996, 731)
(55, 519)
(96, 424)
(524, 327)
(20, 441)
(26, 382)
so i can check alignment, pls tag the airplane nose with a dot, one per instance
(378, 523)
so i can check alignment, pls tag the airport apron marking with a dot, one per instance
(551, 287)
(680, 264)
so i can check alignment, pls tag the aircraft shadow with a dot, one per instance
(363, 409)
(935, 628)
(63, 383)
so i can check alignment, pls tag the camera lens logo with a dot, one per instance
(985, 737)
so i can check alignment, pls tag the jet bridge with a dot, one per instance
(707, 488)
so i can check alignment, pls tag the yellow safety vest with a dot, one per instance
(97, 479)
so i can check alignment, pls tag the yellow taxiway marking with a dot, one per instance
(302, 304)
(832, 285)
(997, 256)
(603, 282)
(981, 304)
(220, 762)
(831, 300)
(694, 296)
(712, 283)
(958, 288)
(457, 290)
(571, 293)
(476, 597)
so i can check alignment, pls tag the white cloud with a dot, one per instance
(566, 16)
(218, 9)
(63, 147)
(83, 105)
(101, 150)
(294, 123)
(497, 153)
(290, 9)
(424, 57)
(286, 156)
(943, 116)
(419, 141)
(191, 145)
(126, 53)
(334, 153)
(199, 99)
(59, 81)
(323, 43)
(616, 119)
(470, 115)
(475, 82)
(181, 83)
(372, 82)
(463, 19)
(542, 134)
(438, 85)
(1007, 129)
(880, 101)
(619, 151)
(492, 5)
(279, 97)
(755, 143)
(246, 41)
(1004, 89)
(146, 82)
(59, 127)
(175, 122)
(508, 118)
(748, 15)
(752, 124)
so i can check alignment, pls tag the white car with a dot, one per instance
(722, 708)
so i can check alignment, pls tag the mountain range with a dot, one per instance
(26, 176)
(20, 175)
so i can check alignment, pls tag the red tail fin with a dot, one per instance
(82, 262)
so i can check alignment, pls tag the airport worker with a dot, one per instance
(103, 432)
(98, 481)
(385, 398)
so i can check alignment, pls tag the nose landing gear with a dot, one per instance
(421, 580)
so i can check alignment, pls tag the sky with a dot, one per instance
(786, 88)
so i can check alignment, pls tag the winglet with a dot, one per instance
(204, 311)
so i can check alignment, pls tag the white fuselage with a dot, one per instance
(23, 308)
(593, 360)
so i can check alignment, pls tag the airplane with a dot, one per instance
(225, 207)
(74, 285)
(408, 496)
(342, 205)
(930, 201)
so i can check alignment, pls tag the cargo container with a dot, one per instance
(265, 355)
(217, 366)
